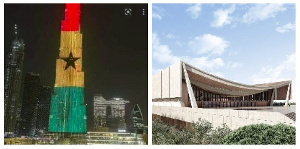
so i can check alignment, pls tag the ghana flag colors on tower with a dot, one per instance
(67, 110)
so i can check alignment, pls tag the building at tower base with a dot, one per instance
(109, 114)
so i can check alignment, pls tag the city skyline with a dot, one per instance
(247, 43)
(114, 48)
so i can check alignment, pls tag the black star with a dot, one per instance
(70, 60)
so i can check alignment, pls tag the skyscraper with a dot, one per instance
(32, 86)
(12, 83)
(67, 109)
(137, 120)
(43, 109)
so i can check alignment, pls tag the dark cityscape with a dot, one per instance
(114, 50)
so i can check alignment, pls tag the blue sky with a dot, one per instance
(246, 43)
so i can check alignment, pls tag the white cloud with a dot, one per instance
(208, 43)
(262, 12)
(156, 16)
(286, 28)
(204, 62)
(194, 10)
(233, 65)
(283, 71)
(170, 36)
(221, 17)
(157, 12)
(162, 54)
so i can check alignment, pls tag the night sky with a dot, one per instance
(115, 48)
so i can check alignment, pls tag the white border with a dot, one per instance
(149, 67)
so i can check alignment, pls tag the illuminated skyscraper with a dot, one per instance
(67, 109)
(12, 83)
(137, 120)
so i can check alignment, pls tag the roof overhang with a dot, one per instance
(226, 87)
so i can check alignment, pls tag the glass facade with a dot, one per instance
(32, 88)
(137, 120)
(207, 99)
(12, 84)
(43, 109)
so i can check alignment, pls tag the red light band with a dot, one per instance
(72, 18)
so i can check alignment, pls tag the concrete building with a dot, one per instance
(12, 84)
(109, 113)
(182, 86)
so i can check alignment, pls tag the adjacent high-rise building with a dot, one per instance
(43, 110)
(67, 109)
(32, 86)
(109, 113)
(137, 120)
(35, 107)
(12, 83)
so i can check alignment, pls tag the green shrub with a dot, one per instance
(201, 133)
(165, 134)
(216, 135)
(262, 134)
(200, 129)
